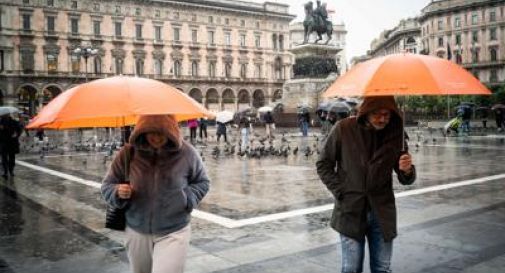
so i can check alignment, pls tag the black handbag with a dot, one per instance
(114, 217)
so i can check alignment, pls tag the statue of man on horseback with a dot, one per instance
(317, 20)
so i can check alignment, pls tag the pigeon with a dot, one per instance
(295, 150)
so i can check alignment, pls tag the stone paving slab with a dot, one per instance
(42, 217)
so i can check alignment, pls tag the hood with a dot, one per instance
(164, 124)
(370, 104)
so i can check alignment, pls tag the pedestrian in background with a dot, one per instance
(203, 127)
(244, 128)
(499, 116)
(356, 165)
(221, 131)
(192, 125)
(167, 181)
(10, 131)
(303, 122)
(269, 124)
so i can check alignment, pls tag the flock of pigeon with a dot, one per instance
(260, 147)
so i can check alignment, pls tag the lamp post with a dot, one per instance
(86, 52)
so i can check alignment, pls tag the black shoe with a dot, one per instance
(11, 173)
(5, 176)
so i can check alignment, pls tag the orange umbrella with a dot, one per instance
(406, 74)
(116, 102)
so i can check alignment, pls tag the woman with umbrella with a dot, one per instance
(167, 179)
(222, 118)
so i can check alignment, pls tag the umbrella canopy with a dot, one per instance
(7, 110)
(115, 102)
(224, 116)
(338, 107)
(265, 109)
(406, 74)
(498, 106)
(323, 106)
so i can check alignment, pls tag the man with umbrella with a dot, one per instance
(365, 149)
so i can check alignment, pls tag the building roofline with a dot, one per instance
(443, 6)
(233, 6)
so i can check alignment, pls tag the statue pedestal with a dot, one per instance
(314, 70)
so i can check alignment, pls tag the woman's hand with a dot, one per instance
(124, 191)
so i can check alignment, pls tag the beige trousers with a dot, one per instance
(157, 254)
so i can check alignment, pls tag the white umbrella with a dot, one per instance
(5, 110)
(265, 109)
(224, 116)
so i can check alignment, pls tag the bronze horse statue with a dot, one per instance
(316, 21)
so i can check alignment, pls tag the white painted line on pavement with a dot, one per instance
(223, 221)
(230, 223)
(466, 146)
(59, 174)
(450, 186)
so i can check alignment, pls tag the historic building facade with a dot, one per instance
(338, 40)
(405, 37)
(470, 32)
(226, 54)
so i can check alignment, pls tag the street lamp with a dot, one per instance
(86, 52)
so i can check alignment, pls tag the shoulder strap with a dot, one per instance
(130, 152)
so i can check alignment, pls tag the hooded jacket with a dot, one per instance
(167, 182)
(356, 165)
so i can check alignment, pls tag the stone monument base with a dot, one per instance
(314, 71)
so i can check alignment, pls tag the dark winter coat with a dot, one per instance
(269, 119)
(167, 183)
(365, 159)
(10, 130)
(221, 129)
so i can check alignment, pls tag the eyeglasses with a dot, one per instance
(386, 114)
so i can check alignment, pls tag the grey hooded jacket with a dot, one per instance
(167, 183)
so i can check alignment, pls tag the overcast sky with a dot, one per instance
(364, 19)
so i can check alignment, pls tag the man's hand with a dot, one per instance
(405, 164)
(124, 191)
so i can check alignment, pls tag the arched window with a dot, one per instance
(194, 69)
(410, 40)
(177, 68)
(97, 65)
(52, 63)
(227, 70)
(274, 41)
(212, 69)
(475, 56)
(493, 54)
(118, 62)
(196, 94)
(278, 68)
(139, 67)
(258, 98)
(158, 67)
(243, 71)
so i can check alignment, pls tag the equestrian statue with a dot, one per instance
(317, 20)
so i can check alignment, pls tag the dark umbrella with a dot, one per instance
(498, 106)
(338, 107)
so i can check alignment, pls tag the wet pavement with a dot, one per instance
(267, 214)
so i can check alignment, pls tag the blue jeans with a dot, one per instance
(305, 127)
(353, 251)
(466, 126)
(245, 138)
